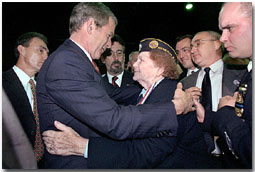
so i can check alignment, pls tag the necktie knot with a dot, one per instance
(206, 99)
(207, 70)
(32, 83)
(114, 79)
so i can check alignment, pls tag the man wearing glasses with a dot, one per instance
(206, 52)
(114, 60)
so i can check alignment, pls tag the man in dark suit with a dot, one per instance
(31, 51)
(114, 60)
(233, 121)
(184, 55)
(70, 90)
(156, 71)
(207, 53)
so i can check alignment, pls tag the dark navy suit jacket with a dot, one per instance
(71, 91)
(187, 150)
(127, 79)
(18, 97)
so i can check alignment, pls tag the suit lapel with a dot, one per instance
(16, 93)
(230, 80)
(16, 88)
(127, 79)
(190, 81)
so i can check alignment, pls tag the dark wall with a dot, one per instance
(137, 20)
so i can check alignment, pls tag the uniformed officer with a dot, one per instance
(233, 120)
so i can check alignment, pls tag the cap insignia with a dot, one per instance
(153, 44)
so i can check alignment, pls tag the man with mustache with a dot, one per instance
(114, 60)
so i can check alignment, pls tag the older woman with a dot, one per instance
(156, 71)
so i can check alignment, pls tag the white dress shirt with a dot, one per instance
(215, 74)
(24, 79)
(189, 72)
(118, 81)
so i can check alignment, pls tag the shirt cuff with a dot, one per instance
(86, 150)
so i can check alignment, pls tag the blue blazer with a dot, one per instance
(187, 150)
(71, 91)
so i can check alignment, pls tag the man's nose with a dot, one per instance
(224, 37)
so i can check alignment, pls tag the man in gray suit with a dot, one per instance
(207, 52)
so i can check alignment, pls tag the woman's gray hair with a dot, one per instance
(85, 10)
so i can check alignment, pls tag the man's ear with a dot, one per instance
(21, 50)
(217, 44)
(90, 25)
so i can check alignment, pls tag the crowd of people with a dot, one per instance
(145, 115)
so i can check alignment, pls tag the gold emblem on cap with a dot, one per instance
(153, 44)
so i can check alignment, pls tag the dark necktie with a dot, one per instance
(206, 99)
(38, 147)
(114, 79)
(96, 67)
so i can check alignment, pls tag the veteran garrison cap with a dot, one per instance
(149, 44)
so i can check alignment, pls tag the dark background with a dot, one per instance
(137, 20)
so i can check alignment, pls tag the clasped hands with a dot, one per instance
(65, 141)
(224, 101)
(184, 100)
(188, 101)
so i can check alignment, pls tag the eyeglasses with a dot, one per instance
(197, 43)
(118, 53)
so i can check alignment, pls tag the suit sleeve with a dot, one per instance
(122, 95)
(236, 133)
(73, 85)
(140, 153)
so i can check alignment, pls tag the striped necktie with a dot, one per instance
(114, 79)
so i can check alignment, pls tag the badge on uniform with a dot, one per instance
(239, 106)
